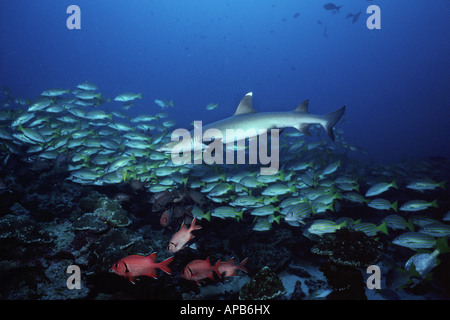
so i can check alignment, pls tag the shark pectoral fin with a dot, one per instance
(304, 128)
(303, 107)
(245, 106)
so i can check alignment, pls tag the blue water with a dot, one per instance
(394, 81)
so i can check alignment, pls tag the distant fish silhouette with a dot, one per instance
(332, 6)
(296, 15)
(319, 22)
(355, 16)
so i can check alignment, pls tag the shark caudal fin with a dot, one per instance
(330, 121)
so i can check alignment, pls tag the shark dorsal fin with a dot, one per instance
(245, 106)
(303, 107)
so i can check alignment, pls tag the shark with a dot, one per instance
(247, 123)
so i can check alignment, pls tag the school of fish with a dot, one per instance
(318, 189)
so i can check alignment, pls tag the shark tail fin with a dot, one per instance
(330, 121)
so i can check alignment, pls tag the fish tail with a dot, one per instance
(216, 269)
(164, 265)
(434, 203)
(394, 184)
(383, 228)
(410, 225)
(442, 245)
(277, 219)
(193, 226)
(394, 206)
(442, 184)
(241, 265)
(330, 121)
(330, 207)
(343, 224)
(207, 216)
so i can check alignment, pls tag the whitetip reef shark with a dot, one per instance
(247, 123)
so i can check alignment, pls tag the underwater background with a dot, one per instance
(82, 181)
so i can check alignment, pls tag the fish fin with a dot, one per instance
(410, 225)
(330, 121)
(152, 274)
(303, 107)
(383, 228)
(152, 256)
(434, 203)
(277, 219)
(241, 265)
(164, 265)
(193, 226)
(304, 128)
(394, 206)
(394, 184)
(216, 269)
(442, 245)
(343, 224)
(132, 280)
(245, 106)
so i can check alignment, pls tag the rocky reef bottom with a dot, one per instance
(52, 224)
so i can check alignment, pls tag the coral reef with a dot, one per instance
(350, 248)
(265, 285)
(347, 250)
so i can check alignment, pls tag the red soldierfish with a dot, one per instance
(200, 269)
(134, 266)
(229, 269)
(181, 237)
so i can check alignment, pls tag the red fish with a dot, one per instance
(197, 270)
(181, 237)
(134, 266)
(229, 269)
